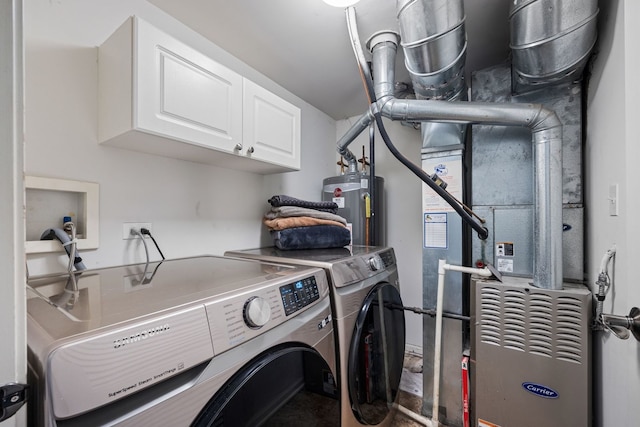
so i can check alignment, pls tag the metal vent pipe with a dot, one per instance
(550, 40)
(546, 131)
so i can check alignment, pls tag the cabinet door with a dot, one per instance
(271, 127)
(183, 94)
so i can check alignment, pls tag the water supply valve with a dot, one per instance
(621, 325)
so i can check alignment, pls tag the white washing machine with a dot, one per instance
(369, 324)
(204, 341)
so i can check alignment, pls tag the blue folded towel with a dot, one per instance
(314, 237)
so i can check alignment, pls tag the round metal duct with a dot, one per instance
(551, 39)
(434, 42)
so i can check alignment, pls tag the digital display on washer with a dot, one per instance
(387, 258)
(299, 294)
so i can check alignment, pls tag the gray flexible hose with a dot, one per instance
(62, 236)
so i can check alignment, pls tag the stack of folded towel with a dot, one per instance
(302, 224)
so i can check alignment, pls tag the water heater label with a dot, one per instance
(540, 390)
(338, 201)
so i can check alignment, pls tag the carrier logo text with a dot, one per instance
(540, 390)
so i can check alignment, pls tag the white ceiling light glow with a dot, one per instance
(341, 3)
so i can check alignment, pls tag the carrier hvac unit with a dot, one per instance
(530, 355)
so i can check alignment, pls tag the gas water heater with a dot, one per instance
(362, 208)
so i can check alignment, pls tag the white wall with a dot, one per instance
(13, 363)
(194, 208)
(402, 192)
(612, 153)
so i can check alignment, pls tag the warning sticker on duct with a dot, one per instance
(449, 169)
(504, 249)
(504, 265)
(504, 257)
(435, 230)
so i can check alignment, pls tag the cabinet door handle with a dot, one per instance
(238, 147)
(250, 150)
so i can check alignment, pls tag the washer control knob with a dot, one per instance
(257, 312)
(375, 263)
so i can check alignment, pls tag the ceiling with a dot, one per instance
(304, 46)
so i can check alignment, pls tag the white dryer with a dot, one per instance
(198, 341)
(369, 322)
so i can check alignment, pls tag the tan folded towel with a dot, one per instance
(295, 211)
(297, 221)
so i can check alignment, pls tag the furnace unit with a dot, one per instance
(530, 354)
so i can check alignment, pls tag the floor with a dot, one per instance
(410, 390)
(322, 411)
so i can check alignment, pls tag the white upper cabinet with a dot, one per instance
(158, 95)
(271, 130)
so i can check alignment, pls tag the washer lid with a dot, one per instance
(317, 257)
(345, 265)
(105, 297)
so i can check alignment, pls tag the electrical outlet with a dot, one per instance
(128, 226)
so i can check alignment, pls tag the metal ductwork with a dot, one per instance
(435, 45)
(550, 40)
(547, 139)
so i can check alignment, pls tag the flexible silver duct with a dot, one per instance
(550, 40)
(546, 131)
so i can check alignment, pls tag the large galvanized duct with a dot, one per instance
(435, 45)
(546, 131)
(550, 40)
(434, 42)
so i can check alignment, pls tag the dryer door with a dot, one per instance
(376, 355)
(289, 384)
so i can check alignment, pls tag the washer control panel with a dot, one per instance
(359, 268)
(299, 294)
(244, 314)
